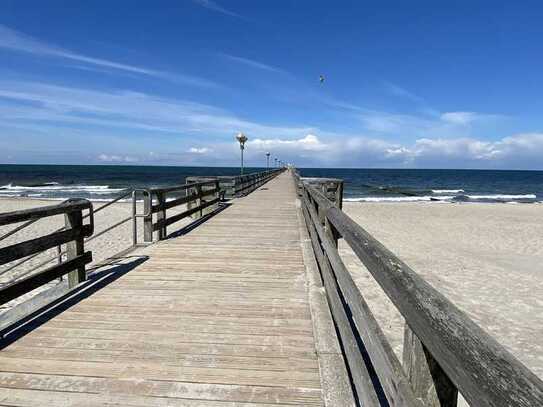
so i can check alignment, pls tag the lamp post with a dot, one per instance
(275, 162)
(268, 161)
(241, 138)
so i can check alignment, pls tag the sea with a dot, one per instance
(103, 182)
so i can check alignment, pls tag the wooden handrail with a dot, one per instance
(197, 188)
(195, 193)
(238, 185)
(444, 350)
(71, 205)
(73, 235)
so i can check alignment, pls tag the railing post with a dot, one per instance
(74, 220)
(134, 220)
(59, 259)
(218, 194)
(428, 380)
(161, 215)
(339, 196)
(199, 192)
(148, 220)
(328, 227)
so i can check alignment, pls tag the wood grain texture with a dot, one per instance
(70, 205)
(217, 317)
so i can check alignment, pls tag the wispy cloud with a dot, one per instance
(447, 124)
(28, 102)
(214, 6)
(19, 42)
(462, 118)
(252, 63)
(401, 92)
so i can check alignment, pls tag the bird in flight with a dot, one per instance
(321, 78)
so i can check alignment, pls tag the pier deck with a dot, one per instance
(219, 316)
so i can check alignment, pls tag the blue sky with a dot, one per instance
(419, 84)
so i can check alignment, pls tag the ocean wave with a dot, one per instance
(497, 198)
(54, 187)
(503, 196)
(400, 199)
(447, 191)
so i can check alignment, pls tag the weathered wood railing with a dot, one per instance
(235, 186)
(73, 235)
(202, 194)
(247, 183)
(444, 353)
(198, 196)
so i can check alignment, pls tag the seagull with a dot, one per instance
(321, 78)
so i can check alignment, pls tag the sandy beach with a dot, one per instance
(486, 258)
(102, 248)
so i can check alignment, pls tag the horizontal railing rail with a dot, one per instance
(202, 194)
(72, 235)
(444, 353)
(239, 185)
(198, 197)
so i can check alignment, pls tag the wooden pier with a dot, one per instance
(219, 316)
(253, 307)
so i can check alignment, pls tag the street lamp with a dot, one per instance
(268, 161)
(275, 162)
(241, 138)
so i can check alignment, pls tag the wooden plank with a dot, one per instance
(31, 398)
(174, 202)
(272, 364)
(180, 187)
(155, 388)
(160, 371)
(39, 244)
(72, 205)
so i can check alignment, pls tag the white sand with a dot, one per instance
(486, 258)
(103, 247)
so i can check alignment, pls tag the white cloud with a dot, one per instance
(16, 41)
(307, 143)
(199, 150)
(462, 118)
(519, 151)
(117, 158)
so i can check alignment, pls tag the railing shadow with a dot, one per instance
(95, 282)
(193, 225)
